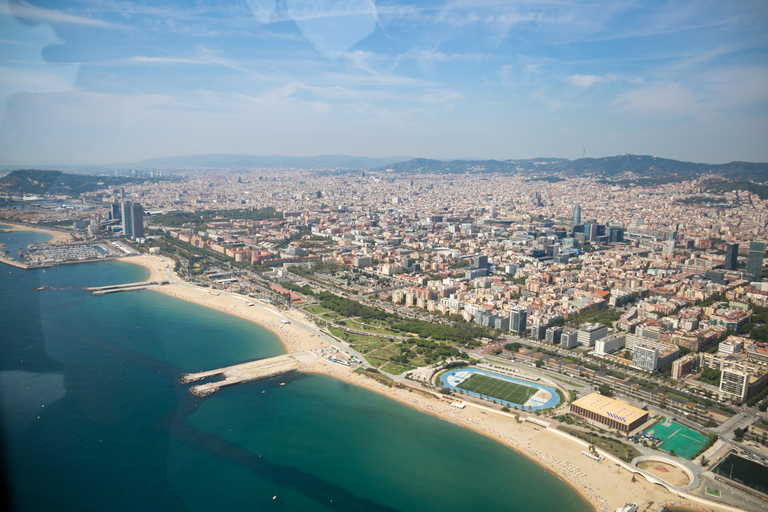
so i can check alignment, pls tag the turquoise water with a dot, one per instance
(92, 417)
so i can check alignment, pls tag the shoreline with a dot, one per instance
(553, 451)
(57, 237)
(523, 438)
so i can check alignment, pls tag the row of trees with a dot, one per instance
(351, 308)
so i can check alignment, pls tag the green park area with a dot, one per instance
(381, 341)
(613, 446)
(391, 355)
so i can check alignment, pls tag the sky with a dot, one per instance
(118, 81)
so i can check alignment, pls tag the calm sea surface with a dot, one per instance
(92, 417)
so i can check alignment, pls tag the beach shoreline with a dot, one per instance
(603, 485)
(558, 448)
(555, 452)
(58, 237)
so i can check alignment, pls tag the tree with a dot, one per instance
(539, 363)
(605, 390)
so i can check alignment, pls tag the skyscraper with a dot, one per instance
(731, 256)
(517, 320)
(591, 231)
(755, 261)
(576, 215)
(480, 261)
(133, 220)
(114, 211)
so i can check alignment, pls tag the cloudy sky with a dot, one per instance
(106, 81)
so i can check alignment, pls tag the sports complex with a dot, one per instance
(674, 436)
(501, 389)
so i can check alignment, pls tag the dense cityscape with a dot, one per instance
(650, 293)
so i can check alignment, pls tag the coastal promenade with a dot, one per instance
(605, 485)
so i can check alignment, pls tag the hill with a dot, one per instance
(224, 161)
(622, 167)
(37, 182)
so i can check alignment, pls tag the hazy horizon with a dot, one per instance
(119, 81)
(392, 159)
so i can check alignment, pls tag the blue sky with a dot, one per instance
(106, 81)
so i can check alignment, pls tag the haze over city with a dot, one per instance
(103, 82)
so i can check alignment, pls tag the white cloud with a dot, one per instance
(30, 12)
(585, 80)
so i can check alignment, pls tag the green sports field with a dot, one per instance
(499, 389)
(674, 436)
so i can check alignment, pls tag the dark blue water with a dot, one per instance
(20, 240)
(92, 417)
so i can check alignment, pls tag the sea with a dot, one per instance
(92, 416)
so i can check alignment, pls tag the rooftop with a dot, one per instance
(610, 407)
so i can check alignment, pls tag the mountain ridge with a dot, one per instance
(225, 160)
(614, 167)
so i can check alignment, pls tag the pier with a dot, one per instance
(245, 372)
(115, 288)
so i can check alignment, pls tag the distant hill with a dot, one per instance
(622, 167)
(36, 182)
(223, 161)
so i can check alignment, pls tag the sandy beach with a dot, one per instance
(59, 237)
(293, 338)
(606, 485)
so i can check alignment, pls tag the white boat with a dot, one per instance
(629, 507)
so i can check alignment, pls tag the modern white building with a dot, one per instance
(645, 358)
(610, 344)
(731, 346)
(734, 384)
(569, 339)
(590, 333)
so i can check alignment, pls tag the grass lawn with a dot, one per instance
(615, 447)
(678, 395)
(351, 323)
(497, 388)
(569, 382)
(371, 327)
(378, 351)
(322, 312)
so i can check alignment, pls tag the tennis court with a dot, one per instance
(496, 388)
(678, 438)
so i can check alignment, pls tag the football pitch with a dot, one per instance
(497, 388)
